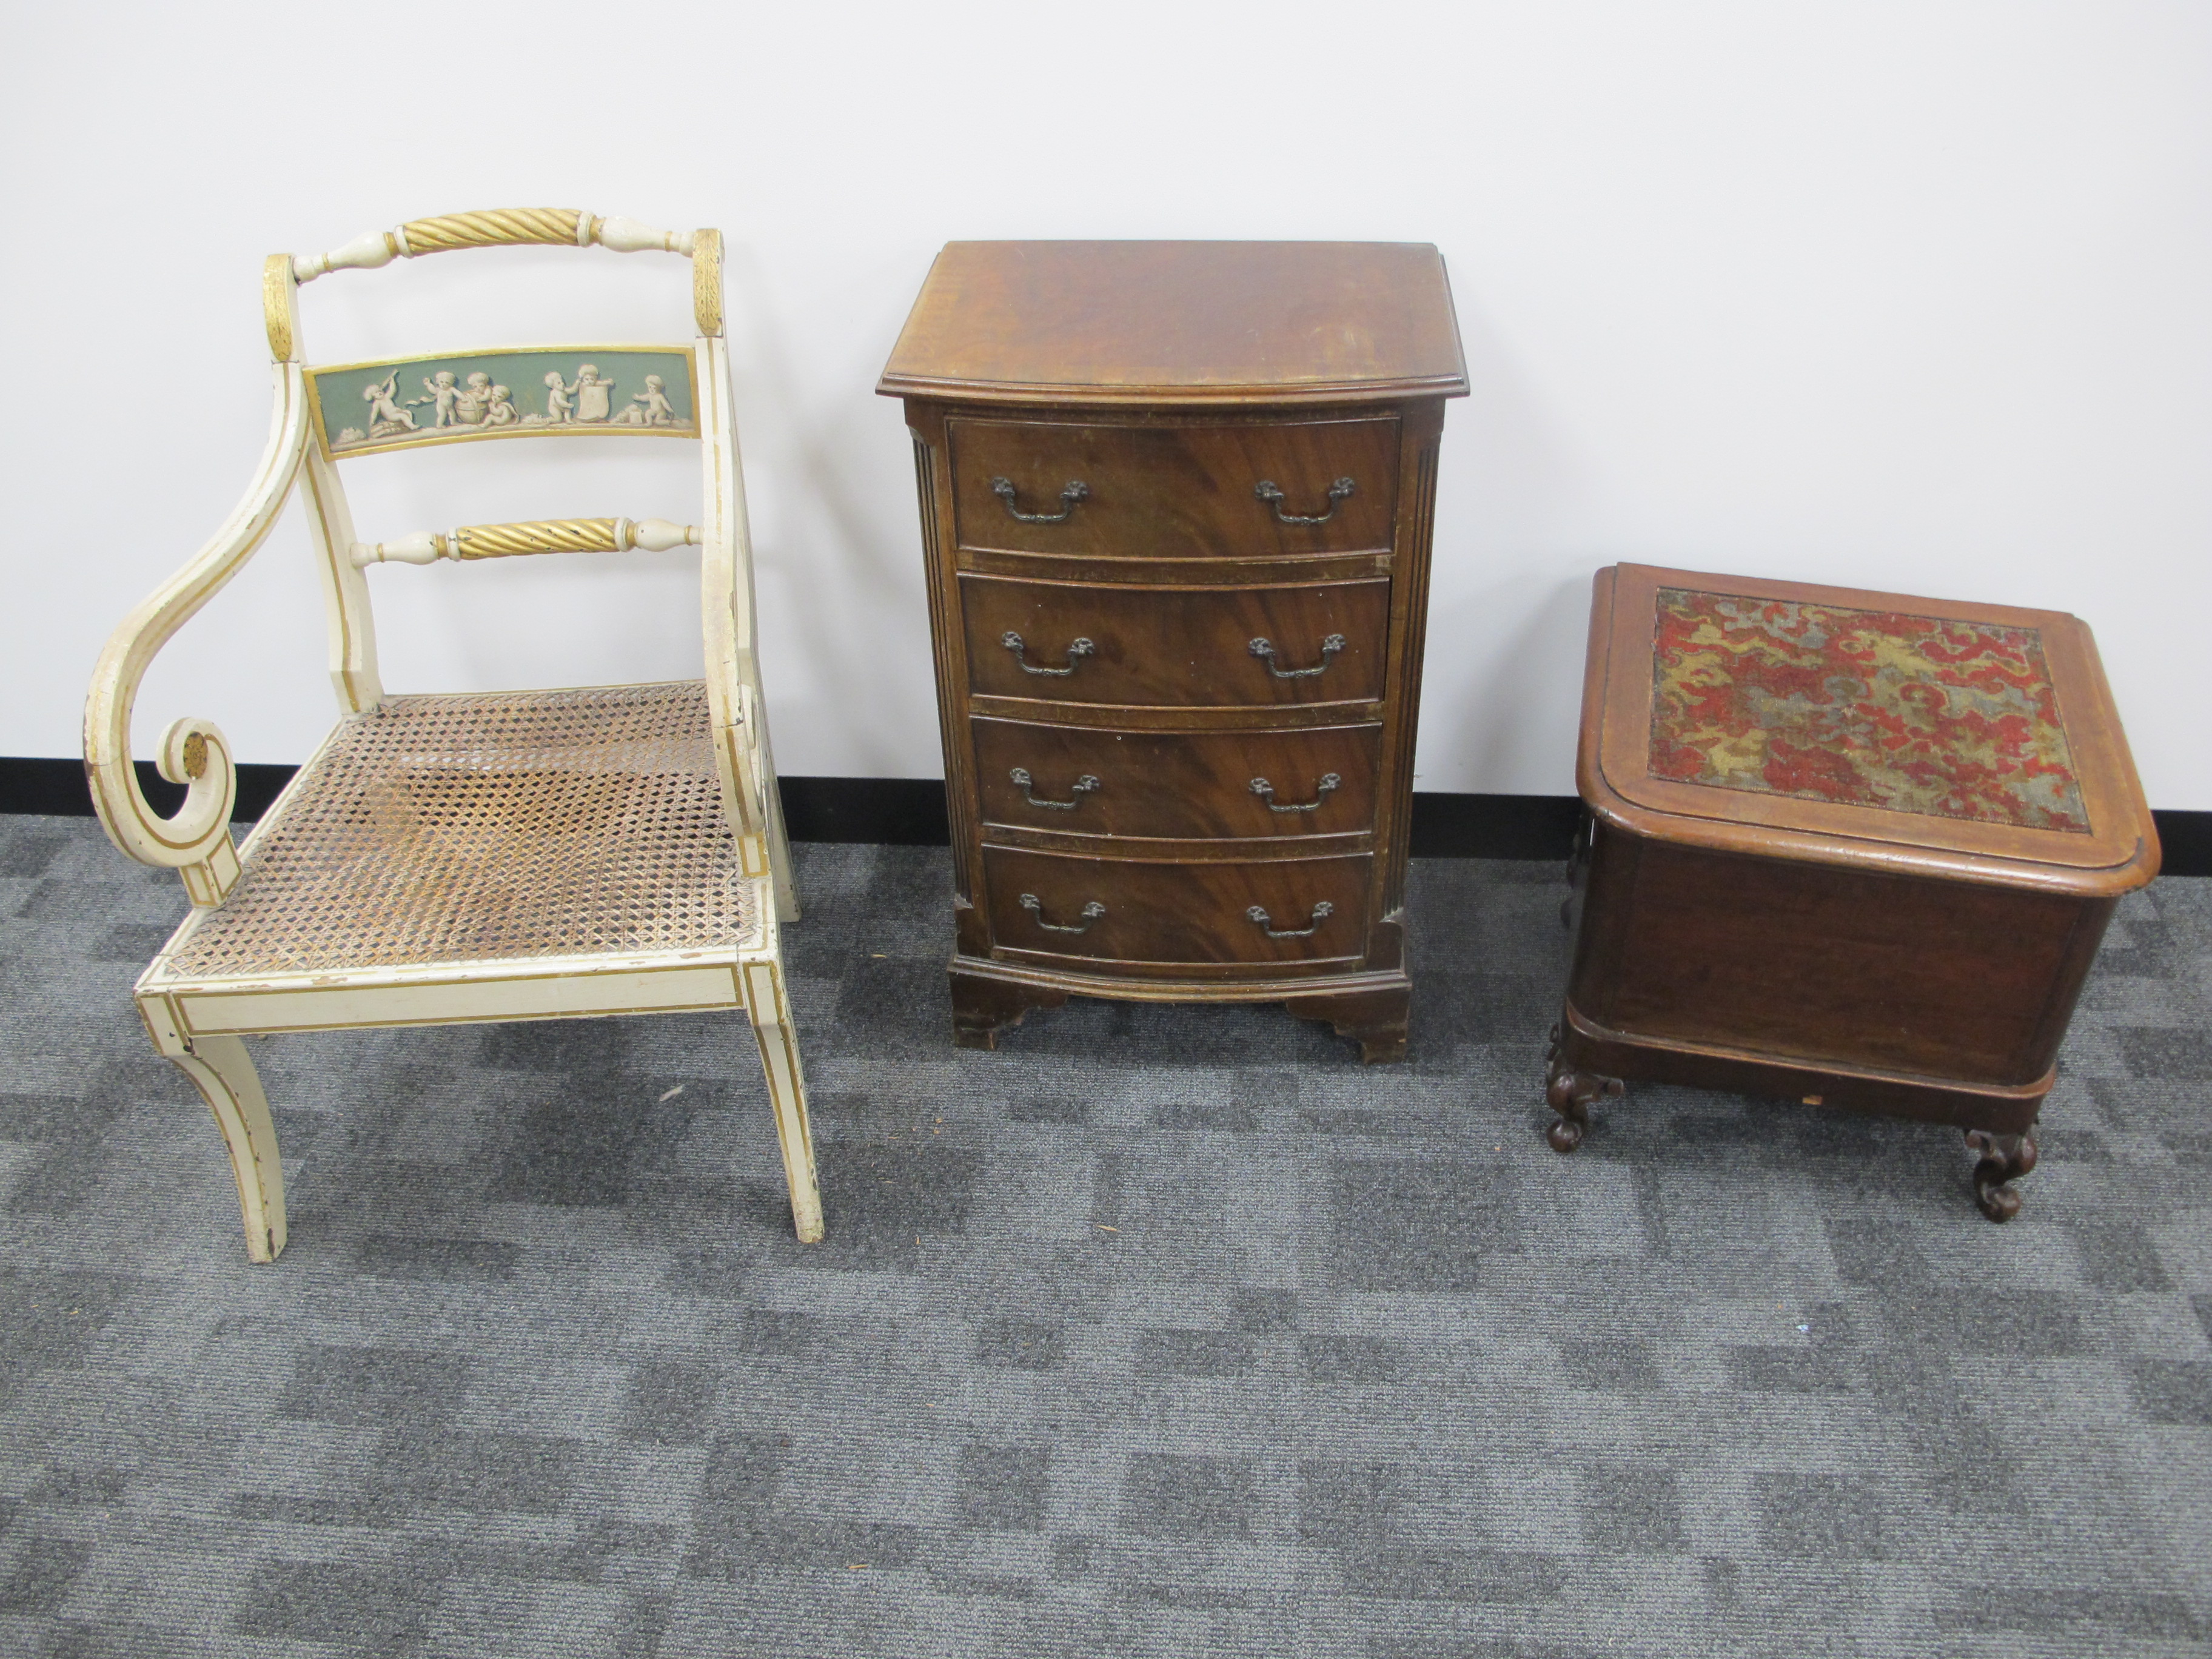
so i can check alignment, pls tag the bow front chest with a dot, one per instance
(1177, 501)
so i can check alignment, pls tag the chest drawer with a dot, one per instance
(1194, 784)
(1172, 491)
(1176, 646)
(1108, 910)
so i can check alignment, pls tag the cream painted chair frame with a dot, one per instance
(199, 1020)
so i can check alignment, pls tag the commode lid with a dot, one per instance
(1863, 728)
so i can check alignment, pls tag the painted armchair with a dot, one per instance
(460, 858)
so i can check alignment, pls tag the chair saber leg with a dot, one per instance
(769, 1007)
(224, 1073)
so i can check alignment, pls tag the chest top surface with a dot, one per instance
(1872, 722)
(1180, 322)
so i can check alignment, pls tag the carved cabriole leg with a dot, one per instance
(1375, 1020)
(2001, 1158)
(982, 1008)
(1568, 1093)
(225, 1075)
(768, 1005)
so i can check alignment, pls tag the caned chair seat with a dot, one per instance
(499, 827)
(453, 859)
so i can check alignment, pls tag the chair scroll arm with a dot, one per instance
(493, 227)
(196, 841)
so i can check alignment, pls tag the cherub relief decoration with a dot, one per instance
(588, 402)
(387, 418)
(474, 397)
(560, 405)
(593, 395)
(650, 407)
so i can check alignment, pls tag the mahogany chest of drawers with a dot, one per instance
(1850, 848)
(1176, 500)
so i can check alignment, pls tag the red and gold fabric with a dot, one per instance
(1876, 708)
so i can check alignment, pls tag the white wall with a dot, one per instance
(1904, 295)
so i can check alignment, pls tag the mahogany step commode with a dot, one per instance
(1848, 849)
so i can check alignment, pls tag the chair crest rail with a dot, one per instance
(503, 541)
(493, 227)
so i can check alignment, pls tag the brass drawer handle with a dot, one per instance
(1322, 912)
(1091, 912)
(1268, 491)
(1077, 651)
(1077, 490)
(1083, 786)
(1265, 650)
(1266, 791)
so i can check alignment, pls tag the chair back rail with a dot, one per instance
(530, 391)
(503, 541)
(736, 698)
(350, 622)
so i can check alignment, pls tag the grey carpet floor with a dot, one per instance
(1158, 1332)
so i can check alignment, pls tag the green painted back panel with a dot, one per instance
(539, 392)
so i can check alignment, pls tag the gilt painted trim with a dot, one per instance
(280, 308)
